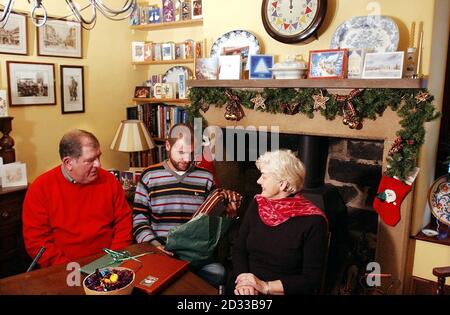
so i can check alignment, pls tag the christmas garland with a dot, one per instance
(413, 106)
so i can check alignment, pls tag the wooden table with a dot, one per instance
(52, 280)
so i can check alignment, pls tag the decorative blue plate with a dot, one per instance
(171, 74)
(235, 41)
(439, 199)
(375, 32)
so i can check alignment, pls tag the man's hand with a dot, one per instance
(233, 201)
(160, 247)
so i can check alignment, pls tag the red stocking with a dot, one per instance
(391, 193)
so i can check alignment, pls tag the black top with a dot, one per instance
(293, 252)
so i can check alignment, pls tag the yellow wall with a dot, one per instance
(109, 85)
(428, 256)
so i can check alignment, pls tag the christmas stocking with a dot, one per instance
(391, 193)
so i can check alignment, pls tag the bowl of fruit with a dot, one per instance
(109, 281)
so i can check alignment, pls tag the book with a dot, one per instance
(155, 272)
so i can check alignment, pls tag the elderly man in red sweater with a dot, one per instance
(77, 208)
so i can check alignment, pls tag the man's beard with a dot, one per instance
(180, 166)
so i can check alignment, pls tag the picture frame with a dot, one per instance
(14, 174)
(15, 35)
(259, 68)
(72, 89)
(329, 63)
(60, 38)
(186, 10)
(196, 9)
(31, 83)
(142, 92)
(383, 65)
(3, 104)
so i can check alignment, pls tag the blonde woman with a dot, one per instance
(282, 240)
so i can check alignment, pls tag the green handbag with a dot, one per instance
(196, 240)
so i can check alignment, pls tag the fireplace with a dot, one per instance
(341, 179)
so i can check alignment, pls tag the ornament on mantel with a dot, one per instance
(399, 144)
(350, 115)
(233, 109)
(259, 102)
(204, 106)
(422, 97)
(320, 101)
(290, 108)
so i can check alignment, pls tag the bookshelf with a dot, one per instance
(177, 101)
(164, 62)
(167, 25)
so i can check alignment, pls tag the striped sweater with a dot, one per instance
(165, 199)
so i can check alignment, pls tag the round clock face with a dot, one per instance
(292, 21)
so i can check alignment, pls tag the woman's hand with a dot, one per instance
(245, 290)
(246, 280)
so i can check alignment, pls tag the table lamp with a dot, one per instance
(132, 136)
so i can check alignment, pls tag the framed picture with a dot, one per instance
(386, 65)
(14, 35)
(186, 10)
(60, 38)
(14, 174)
(142, 92)
(331, 63)
(259, 67)
(196, 9)
(3, 104)
(72, 89)
(31, 83)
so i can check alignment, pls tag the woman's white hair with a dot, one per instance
(283, 165)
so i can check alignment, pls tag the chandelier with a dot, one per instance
(39, 13)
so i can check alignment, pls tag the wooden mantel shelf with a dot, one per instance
(312, 83)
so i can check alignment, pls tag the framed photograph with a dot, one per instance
(386, 65)
(14, 35)
(330, 63)
(3, 104)
(31, 83)
(60, 38)
(196, 9)
(14, 174)
(72, 89)
(259, 67)
(142, 92)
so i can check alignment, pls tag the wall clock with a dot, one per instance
(293, 21)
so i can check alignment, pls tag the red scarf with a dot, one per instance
(276, 211)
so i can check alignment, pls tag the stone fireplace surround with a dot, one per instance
(392, 242)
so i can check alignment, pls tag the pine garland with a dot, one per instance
(413, 106)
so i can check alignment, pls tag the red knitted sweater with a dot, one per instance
(74, 220)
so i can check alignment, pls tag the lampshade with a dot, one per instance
(132, 136)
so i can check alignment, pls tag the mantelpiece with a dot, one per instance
(392, 245)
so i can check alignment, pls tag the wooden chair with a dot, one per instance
(441, 273)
